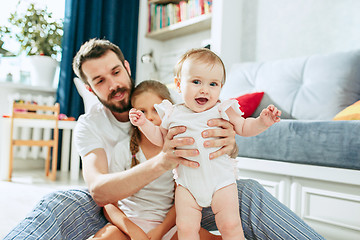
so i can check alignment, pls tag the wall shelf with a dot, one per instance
(196, 24)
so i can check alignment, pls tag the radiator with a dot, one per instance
(26, 133)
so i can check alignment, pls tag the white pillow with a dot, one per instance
(89, 98)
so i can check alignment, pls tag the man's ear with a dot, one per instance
(177, 84)
(89, 88)
(127, 67)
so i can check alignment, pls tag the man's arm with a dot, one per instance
(108, 187)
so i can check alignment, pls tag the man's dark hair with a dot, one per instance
(93, 49)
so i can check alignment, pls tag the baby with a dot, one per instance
(199, 77)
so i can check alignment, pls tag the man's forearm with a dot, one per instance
(116, 186)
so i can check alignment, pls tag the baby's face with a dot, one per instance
(200, 84)
(145, 103)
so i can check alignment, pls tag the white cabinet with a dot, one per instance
(328, 199)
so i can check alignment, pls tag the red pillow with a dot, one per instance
(249, 102)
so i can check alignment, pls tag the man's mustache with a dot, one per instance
(114, 92)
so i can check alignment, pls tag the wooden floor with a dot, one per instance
(24, 191)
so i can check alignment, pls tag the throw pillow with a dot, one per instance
(352, 112)
(89, 99)
(249, 102)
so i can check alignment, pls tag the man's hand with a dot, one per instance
(174, 156)
(137, 117)
(224, 138)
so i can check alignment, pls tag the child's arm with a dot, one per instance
(253, 126)
(152, 132)
(118, 218)
(165, 226)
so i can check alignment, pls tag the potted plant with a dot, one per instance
(39, 35)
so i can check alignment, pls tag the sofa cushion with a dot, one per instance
(315, 87)
(322, 143)
(249, 102)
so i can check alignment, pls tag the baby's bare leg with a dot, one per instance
(225, 206)
(188, 214)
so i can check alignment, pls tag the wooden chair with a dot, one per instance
(42, 112)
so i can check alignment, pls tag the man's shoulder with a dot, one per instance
(96, 111)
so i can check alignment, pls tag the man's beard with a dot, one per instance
(125, 104)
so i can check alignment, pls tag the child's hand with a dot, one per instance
(137, 117)
(155, 234)
(270, 115)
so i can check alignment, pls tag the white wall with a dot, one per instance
(281, 29)
(261, 30)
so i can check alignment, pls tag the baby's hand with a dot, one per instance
(137, 117)
(270, 115)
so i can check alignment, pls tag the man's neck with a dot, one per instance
(121, 117)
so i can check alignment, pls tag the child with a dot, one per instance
(199, 77)
(149, 213)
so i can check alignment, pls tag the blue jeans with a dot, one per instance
(73, 214)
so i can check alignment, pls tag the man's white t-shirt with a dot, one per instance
(99, 129)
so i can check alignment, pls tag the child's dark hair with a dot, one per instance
(146, 86)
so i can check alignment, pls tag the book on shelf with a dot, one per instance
(162, 15)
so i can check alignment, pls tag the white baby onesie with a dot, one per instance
(213, 174)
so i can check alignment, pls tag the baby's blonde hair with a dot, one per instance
(202, 55)
(146, 86)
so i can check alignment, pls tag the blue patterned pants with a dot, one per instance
(72, 214)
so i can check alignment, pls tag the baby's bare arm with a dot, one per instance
(253, 126)
(151, 131)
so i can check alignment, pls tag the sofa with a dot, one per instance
(309, 161)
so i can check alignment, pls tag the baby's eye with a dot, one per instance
(213, 84)
(196, 81)
(143, 111)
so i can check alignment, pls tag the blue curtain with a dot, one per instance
(115, 20)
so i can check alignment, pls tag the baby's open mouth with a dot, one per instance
(201, 100)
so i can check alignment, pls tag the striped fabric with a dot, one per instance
(72, 214)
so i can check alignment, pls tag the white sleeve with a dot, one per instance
(225, 105)
(164, 110)
(85, 137)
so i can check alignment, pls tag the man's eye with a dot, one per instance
(100, 81)
(116, 72)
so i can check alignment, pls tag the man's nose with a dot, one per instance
(113, 84)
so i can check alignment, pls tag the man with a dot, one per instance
(76, 214)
